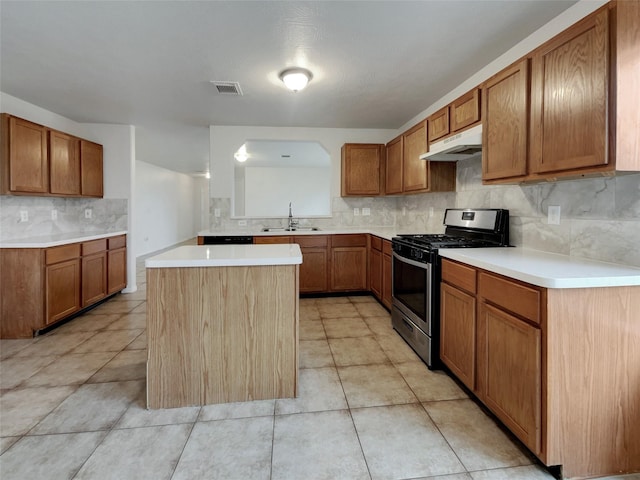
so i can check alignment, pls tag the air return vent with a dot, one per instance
(227, 88)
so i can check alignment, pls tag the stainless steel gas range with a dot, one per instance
(415, 311)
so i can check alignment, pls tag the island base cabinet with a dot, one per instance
(593, 377)
(221, 334)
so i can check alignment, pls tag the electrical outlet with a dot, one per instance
(216, 212)
(356, 211)
(54, 214)
(24, 215)
(366, 211)
(242, 223)
(553, 215)
(88, 213)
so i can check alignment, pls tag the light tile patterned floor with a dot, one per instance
(72, 405)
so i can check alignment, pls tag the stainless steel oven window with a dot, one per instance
(412, 289)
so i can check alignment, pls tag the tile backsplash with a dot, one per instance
(600, 217)
(107, 215)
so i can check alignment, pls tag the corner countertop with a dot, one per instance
(56, 239)
(544, 269)
(227, 256)
(384, 232)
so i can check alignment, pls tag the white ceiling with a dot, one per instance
(376, 64)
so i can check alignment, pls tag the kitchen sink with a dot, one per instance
(293, 229)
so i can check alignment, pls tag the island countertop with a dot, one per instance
(550, 270)
(227, 256)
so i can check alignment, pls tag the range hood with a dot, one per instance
(461, 146)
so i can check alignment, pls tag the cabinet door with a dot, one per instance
(465, 111)
(348, 268)
(386, 273)
(569, 98)
(505, 99)
(91, 169)
(362, 169)
(28, 157)
(439, 124)
(458, 333)
(393, 167)
(375, 272)
(313, 271)
(116, 270)
(64, 166)
(94, 278)
(511, 359)
(415, 174)
(62, 290)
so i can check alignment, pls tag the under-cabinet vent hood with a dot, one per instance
(460, 146)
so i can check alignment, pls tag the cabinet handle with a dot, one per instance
(408, 325)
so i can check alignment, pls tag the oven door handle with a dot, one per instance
(424, 266)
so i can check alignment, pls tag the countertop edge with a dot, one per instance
(33, 242)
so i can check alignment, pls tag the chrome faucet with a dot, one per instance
(292, 222)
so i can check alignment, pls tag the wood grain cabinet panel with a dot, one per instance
(362, 169)
(393, 168)
(94, 278)
(465, 111)
(91, 169)
(116, 270)
(569, 103)
(458, 333)
(513, 365)
(25, 158)
(415, 172)
(64, 164)
(271, 239)
(315, 262)
(386, 273)
(505, 99)
(348, 263)
(62, 290)
(439, 125)
(375, 270)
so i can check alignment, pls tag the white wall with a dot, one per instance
(166, 210)
(225, 140)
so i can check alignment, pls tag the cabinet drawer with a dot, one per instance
(386, 247)
(461, 276)
(94, 246)
(62, 253)
(311, 240)
(357, 240)
(271, 239)
(117, 242)
(376, 243)
(515, 297)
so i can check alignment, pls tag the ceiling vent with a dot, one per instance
(228, 88)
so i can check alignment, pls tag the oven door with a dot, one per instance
(411, 290)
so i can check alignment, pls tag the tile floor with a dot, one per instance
(72, 406)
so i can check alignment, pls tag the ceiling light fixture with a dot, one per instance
(295, 79)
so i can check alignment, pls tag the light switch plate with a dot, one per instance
(366, 211)
(356, 211)
(216, 212)
(553, 215)
(242, 223)
(24, 215)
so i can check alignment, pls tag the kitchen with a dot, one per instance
(599, 216)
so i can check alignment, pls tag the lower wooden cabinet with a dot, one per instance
(348, 263)
(62, 290)
(313, 271)
(41, 286)
(386, 273)
(375, 267)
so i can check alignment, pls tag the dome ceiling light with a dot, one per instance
(295, 79)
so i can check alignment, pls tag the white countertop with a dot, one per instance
(45, 241)
(383, 232)
(227, 256)
(544, 269)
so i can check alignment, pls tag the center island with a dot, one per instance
(222, 324)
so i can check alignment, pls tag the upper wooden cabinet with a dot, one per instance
(505, 103)
(393, 167)
(414, 170)
(92, 173)
(362, 169)
(25, 160)
(36, 160)
(580, 95)
(569, 86)
(459, 115)
(64, 164)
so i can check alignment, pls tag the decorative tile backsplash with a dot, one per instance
(107, 215)
(600, 217)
